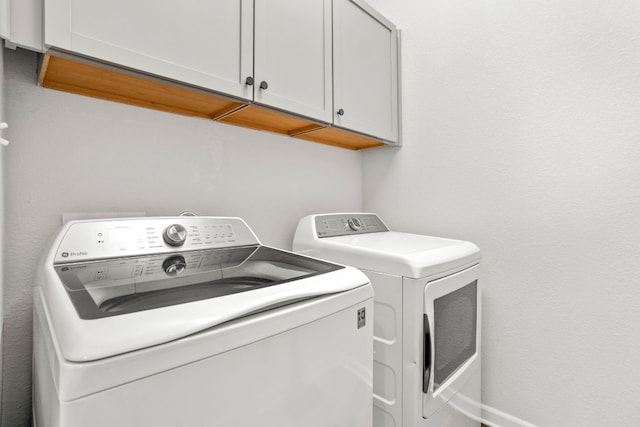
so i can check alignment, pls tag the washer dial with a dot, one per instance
(175, 235)
(354, 223)
(174, 265)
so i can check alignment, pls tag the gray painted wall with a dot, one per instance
(2, 134)
(522, 134)
(70, 153)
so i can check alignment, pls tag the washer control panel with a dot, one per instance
(332, 225)
(112, 238)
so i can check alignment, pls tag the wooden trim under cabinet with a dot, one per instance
(259, 118)
(340, 138)
(91, 78)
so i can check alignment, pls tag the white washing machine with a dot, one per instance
(426, 316)
(190, 321)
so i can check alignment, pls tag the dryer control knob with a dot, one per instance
(175, 235)
(354, 224)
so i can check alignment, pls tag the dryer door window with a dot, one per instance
(451, 330)
(455, 323)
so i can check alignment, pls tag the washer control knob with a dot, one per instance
(175, 235)
(174, 265)
(354, 224)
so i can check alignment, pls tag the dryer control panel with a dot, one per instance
(113, 238)
(332, 225)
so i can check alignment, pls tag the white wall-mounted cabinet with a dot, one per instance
(203, 43)
(365, 79)
(5, 19)
(21, 23)
(210, 45)
(293, 56)
(322, 70)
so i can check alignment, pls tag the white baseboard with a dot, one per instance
(493, 417)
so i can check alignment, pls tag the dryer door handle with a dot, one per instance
(426, 366)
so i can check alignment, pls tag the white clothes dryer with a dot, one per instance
(427, 315)
(190, 321)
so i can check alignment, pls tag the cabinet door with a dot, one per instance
(206, 43)
(21, 23)
(293, 56)
(365, 61)
(5, 19)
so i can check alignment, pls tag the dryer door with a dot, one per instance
(451, 336)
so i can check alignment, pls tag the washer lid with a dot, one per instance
(392, 252)
(126, 285)
(105, 308)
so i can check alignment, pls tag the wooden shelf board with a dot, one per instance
(340, 138)
(256, 117)
(103, 82)
(92, 80)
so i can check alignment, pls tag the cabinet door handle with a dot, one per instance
(340, 112)
(263, 85)
(249, 81)
(426, 364)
